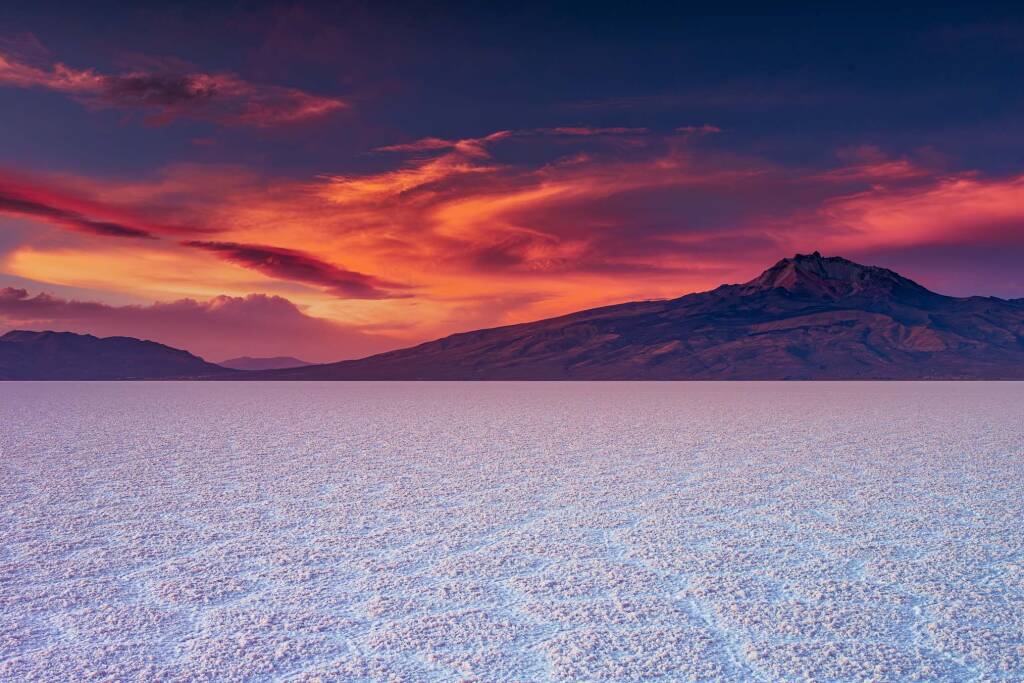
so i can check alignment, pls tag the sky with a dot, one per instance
(333, 180)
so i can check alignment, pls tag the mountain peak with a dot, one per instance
(832, 277)
(807, 317)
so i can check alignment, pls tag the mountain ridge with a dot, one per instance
(806, 317)
(50, 355)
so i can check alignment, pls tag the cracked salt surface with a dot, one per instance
(504, 532)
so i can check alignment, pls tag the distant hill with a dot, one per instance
(273, 363)
(26, 355)
(806, 317)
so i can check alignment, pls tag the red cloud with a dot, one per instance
(65, 209)
(288, 264)
(223, 327)
(20, 206)
(224, 98)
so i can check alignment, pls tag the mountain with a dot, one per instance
(273, 363)
(806, 317)
(26, 355)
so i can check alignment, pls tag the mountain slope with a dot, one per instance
(806, 317)
(26, 355)
(272, 363)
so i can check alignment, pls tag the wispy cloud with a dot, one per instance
(477, 146)
(169, 94)
(704, 129)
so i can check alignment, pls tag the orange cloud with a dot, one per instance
(40, 202)
(964, 208)
(139, 269)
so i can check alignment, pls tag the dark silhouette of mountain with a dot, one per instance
(272, 363)
(27, 355)
(806, 317)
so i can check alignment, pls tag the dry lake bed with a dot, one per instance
(512, 531)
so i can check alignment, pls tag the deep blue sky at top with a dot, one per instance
(790, 83)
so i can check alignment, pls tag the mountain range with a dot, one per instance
(807, 317)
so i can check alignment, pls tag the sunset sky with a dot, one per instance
(328, 181)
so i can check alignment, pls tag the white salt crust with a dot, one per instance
(511, 532)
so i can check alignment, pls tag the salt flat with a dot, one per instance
(507, 531)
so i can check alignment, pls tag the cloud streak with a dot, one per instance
(18, 206)
(296, 266)
(64, 202)
(224, 98)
